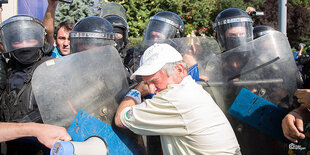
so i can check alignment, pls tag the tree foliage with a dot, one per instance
(197, 15)
(298, 22)
(194, 13)
(73, 12)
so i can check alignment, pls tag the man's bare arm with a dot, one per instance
(46, 134)
(49, 20)
(142, 87)
(127, 102)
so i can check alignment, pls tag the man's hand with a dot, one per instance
(249, 10)
(303, 96)
(143, 88)
(292, 126)
(50, 134)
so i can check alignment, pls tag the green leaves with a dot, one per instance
(75, 11)
(197, 15)
(194, 13)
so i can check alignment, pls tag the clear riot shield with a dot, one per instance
(113, 9)
(92, 80)
(196, 50)
(266, 68)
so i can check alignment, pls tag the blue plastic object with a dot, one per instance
(194, 72)
(85, 125)
(62, 148)
(259, 113)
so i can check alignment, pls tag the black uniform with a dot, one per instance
(23, 39)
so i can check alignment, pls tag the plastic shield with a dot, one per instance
(92, 80)
(266, 68)
(196, 50)
(265, 63)
(113, 9)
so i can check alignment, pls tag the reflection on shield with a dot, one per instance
(265, 67)
(196, 50)
(92, 80)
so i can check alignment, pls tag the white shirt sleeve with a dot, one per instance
(154, 116)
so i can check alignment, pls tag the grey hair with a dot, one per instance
(169, 67)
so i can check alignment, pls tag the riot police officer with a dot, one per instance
(120, 28)
(23, 39)
(116, 14)
(233, 28)
(161, 26)
(234, 33)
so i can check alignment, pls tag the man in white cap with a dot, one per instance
(181, 111)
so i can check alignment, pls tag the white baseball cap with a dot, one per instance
(155, 57)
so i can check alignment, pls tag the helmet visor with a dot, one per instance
(158, 30)
(235, 33)
(81, 41)
(22, 34)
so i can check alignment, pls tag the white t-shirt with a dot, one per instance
(186, 118)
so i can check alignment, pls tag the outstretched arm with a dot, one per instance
(45, 133)
(49, 20)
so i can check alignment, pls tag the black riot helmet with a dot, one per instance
(163, 25)
(261, 30)
(233, 28)
(91, 32)
(23, 38)
(120, 26)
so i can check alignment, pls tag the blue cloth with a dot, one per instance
(295, 55)
(149, 96)
(56, 53)
(194, 72)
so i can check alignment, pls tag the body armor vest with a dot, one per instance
(18, 104)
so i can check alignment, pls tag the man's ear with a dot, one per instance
(180, 69)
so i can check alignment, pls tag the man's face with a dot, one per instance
(157, 36)
(25, 43)
(234, 32)
(119, 36)
(62, 41)
(160, 80)
(157, 82)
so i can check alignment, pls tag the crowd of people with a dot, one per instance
(167, 103)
